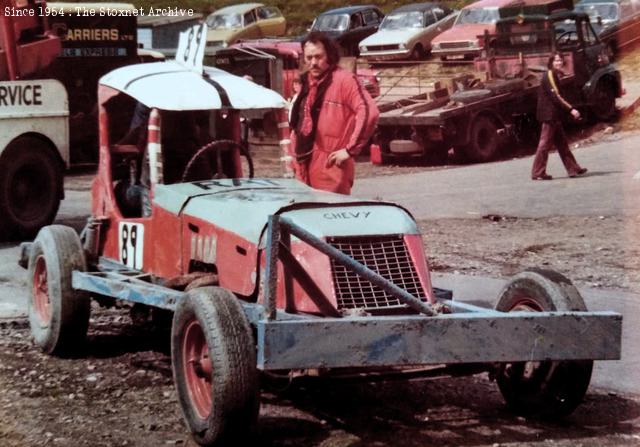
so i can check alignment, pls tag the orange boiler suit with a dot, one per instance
(347, 119)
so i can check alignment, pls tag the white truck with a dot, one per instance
(34, 122)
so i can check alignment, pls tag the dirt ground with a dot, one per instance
(121, 393)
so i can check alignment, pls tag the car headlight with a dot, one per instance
(402, 46)
(363, 48)
(474, 44)
(435, 46)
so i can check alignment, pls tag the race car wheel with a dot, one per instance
(30, 187)
(484, 141)
(214, 367)
(551, 388)
(216, 147)
(58, 314)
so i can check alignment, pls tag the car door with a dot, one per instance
(271, 21)
(429, 30)
(251, 29)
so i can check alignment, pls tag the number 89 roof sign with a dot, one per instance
(185, 84)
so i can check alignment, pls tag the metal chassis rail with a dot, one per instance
(469, 334)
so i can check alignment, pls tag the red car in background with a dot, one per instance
(462, 40)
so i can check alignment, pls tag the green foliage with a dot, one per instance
(299, 13)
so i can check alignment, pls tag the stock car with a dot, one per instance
(270, 275)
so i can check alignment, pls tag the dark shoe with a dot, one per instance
(581, 171)
(542, 177)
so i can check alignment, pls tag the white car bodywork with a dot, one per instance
(412, 40)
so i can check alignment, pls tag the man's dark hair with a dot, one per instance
(330, 47)
(552, 57)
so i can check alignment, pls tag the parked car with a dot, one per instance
(348, 26)
(244, 21)
(463, 40)
(407, 32)
(616, 22)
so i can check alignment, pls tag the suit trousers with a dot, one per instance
(552, 134)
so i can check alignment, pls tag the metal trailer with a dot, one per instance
(498, 100)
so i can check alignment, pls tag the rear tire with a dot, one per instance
(546, 389)
(58, 314)
(214, 367)
(484, 141)
(31, 187)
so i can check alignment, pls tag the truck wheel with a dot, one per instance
(604, 101)
(547, 389)
(31, 187)
(418, 53)
(484, 143)
(58, 314)
(214, 367)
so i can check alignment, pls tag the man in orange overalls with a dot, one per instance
(332, 119)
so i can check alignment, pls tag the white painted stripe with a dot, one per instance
(285, 142)
(154, 150)
(283, 125)
(153, 127)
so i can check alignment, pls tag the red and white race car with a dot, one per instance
(269, 275)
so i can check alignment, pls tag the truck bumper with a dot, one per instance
(467, 337)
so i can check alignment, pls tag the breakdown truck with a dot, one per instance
(475, 113)
(270, 276)
(51, 58)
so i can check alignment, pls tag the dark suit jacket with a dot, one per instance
(551, 104)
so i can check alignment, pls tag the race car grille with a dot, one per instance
(382, 47)
(454, 45)
(386, 255)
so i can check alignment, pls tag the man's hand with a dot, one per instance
(575, 114)
(337, 158)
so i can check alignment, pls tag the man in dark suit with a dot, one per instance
(551, 108)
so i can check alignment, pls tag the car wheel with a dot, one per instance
(417, 53)
(550, 388)
(58, 314)
(214, 367)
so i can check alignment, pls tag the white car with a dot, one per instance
(407, 32)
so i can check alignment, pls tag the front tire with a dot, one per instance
(603, 105)
(31, 187)
(546, 389)
(214, 367)
(58, 314)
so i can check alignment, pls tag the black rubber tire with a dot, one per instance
(603, 101)
(31, 187)
(543, 389)
(61, 330)
(232, 406)
(484, 141)
(418, 53)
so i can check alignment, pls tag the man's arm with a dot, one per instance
(366, 115)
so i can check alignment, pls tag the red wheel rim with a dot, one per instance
(527, 304)
(197, 369)
(41, 301)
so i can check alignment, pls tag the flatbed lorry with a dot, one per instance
(478, 112)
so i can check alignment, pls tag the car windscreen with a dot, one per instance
(402, 20)
(478, 15)
(606, 11)
(224, 21)
(331, 22)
